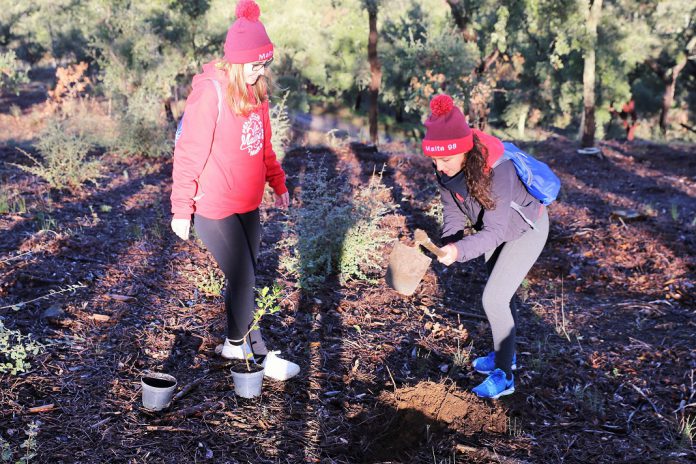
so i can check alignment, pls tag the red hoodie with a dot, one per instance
(220, 168)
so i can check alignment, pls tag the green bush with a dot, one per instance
(515, 116)
(336, 231)
(138, 136)
(10, 74)
(64, 163)
(361, 249)
(281, 126)
(317, 228)
(29, 445)
(15, 348)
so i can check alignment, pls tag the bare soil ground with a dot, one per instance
(606, 342)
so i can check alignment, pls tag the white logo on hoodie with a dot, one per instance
(252, 135)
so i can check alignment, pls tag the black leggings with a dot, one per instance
(234, 243)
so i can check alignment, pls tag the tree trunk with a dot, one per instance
(375, 70)
(169, 113)
(461, 20)
(588, 75)
(671, 85)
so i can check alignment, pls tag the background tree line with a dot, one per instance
(572, 65)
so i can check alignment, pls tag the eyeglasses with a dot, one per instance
(257, 66)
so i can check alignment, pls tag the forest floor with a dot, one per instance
(606, 343)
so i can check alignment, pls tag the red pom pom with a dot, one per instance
(441, 105)
(248, 9)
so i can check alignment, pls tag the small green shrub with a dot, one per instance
(15, 348)
(10, 74)
(364, 240)
(209, 282)
(687, 431)
(462, 356)
(267, 302)
(4, 202)
(142, 137)
(281, 126)
(435, 210)
(336, 231)
(29, 445)
(64, 162)
(15, 111)
(674, 212)
(45, 222)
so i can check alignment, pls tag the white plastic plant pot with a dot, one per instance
(590, 151)
(158, 390)
(247, 384)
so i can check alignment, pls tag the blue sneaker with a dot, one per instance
(486, 364)
(495, 386)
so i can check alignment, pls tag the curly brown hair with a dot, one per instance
(478, 174)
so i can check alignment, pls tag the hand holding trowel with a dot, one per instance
(407, 265)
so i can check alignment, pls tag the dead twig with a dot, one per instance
(466, 314)
(208, 406)
(648, 399)
(165, 428)
(39, 279)
(100, 423)
(391, 377)
(186, 389)
(69, 288)
(44, 408)
(492, 455)
(7, 260)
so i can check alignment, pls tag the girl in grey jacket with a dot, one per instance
(510, 227)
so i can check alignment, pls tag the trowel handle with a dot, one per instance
(422, 239)
(434, 249)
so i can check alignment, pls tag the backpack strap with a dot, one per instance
(513, 204)
(218, 90)
(498, 161)
(518, 208)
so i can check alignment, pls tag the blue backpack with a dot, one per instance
(536, 176)
(180, 128)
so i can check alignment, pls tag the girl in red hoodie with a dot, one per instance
(223, 158)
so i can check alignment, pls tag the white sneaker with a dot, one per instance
(278, 368)
(230, 351)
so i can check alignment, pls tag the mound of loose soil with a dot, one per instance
(404, 419)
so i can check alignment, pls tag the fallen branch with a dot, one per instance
(492, 455)
(165, 428)
(649, 401)
(687, 127)
(69, 288)
(7, 260)
(44, 408)
(208, 406)
(42, 280)
(466, 314)
(100, 423)
(117, 297)
(186, 389)
(86, 259)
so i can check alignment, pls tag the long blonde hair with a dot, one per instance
(240, 100)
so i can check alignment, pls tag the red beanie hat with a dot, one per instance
(247, 40)
(447, 132)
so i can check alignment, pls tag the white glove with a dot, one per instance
(282, 201)
(181, 228)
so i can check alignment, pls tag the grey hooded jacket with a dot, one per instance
(515, 212)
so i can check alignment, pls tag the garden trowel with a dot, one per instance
(407, 265)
